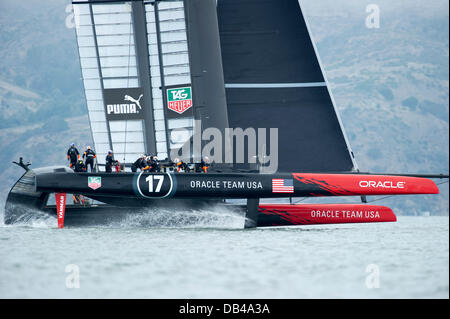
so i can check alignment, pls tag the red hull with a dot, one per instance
(311, 214)
(359, 184)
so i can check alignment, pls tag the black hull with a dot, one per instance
(24, 203)
(137, 188)
(33, 193)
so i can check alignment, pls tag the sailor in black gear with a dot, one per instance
(110, 162)
(180, 165)
(76, 199)
(140, 163)
(73, 155)
(154, 165)
(203, 165)
(90, 155)
(22, 164)
(79, 166)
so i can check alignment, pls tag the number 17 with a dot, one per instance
(150, 178)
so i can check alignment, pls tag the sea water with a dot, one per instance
(173, 255)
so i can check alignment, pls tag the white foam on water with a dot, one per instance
(30, 217)
(215, 216)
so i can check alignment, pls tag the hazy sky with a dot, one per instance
(342, 7)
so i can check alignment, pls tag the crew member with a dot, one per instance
(203, 165)
(73, 155)
(110, 162)
(146, 163)
(117, 166)
(76, 199)
(90, 155)
(154, 165)
(139, 163)
(79, 166)
(180, 165)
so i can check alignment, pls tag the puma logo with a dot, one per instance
(131, 99)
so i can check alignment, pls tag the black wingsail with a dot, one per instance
(273, 79)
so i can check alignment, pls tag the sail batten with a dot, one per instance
(273, 85)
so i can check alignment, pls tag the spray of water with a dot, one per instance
(209, 217)
(30, 217)
(214, 216)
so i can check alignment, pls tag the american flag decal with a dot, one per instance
(280, 185)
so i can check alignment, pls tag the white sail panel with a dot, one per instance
(107, 51)
(167, 44)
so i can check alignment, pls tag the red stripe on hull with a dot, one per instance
(356, 184)
(310, 214)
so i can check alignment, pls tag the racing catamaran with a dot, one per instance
(237, 80)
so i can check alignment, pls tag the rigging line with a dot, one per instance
(273, 85)
(375, 200)
(301, 200)
(128, 83)
(378, 199)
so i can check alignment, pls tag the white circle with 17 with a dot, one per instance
(154, 185)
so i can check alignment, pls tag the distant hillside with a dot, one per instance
(42, 106)
(391, 86)
(39, 55)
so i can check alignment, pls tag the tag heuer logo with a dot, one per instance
(94, 182)
(179, 100)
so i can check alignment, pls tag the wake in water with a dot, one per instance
(208, 217)
(29, 217)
